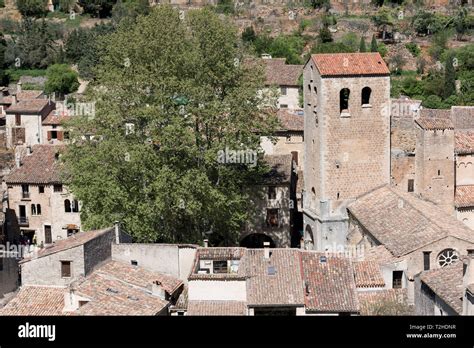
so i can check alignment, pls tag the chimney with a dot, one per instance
(18, 87)
(117, 232)
(206, 243)
(266, 250)
(14, 100)
(157, 290)
(302, 246)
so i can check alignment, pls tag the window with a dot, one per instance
(411, 185)
(366, 92)
(397, 279)
(75, 206)
(65, 269)
(284, 106)
(294, 156)
(470, 252)
(54, 134)
(271, 192)
(36, 209)
(25, 189)
(58, 188)
(219, 267)
(426, 260)
(134, 262)
(67, 206)
(344, 100)
(41, 189)
(17, 120)
(439, 172)
(283, 91)
(447, 257)
(272, 218)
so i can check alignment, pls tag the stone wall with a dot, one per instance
(434, 167)
(47, 270)
(98, 250)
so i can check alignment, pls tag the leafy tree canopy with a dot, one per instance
(61, 79)
(162, 178)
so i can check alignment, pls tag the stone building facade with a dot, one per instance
(45, 209)
(347, 139)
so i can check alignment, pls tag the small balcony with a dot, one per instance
(25, 195)
(23, 221)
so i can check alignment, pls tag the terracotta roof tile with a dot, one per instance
(464, 142)
(36, 300)
(368, 274)
(435, 113)
(274, 281)
(29, 106)
(209, 308)
(290, 121)
(464, 196)
(55, 118)
(29, 94)
(431, 123)
(41, 167)
(447, 283)
(347, 64)
(329, 283)
(404, 223)
(281, 74)
(73, 241)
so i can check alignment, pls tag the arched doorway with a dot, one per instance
(256, 240)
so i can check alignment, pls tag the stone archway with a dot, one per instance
(256, 240)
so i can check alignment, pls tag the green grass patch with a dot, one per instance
(15, 74)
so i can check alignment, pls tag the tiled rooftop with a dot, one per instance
(377, 302)
(404, 223)
(36, 300)
(290, 121)
(211, 308)
(280, 169)
(368, 274)
(464, 196)
(348, 64)
(431, 123)
(28, 106)
(464, 142)
(281, 74)
(274, 281)
(41, 167)
(329, 283)
(447, 283)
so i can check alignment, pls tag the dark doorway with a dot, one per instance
(256, 240)
(48, 238)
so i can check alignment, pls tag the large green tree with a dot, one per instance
(61, 80)
(32, 8)
(168, 98)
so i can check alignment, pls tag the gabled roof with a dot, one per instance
(41, 167)
(29, 106)
(281, 74)
(274, 281)
(404, 223)
(350, 64)
(447, 284)
(329, 283)
(377, 302)
(73, 241)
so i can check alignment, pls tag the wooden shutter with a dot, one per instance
(49, 135)
(60, 135)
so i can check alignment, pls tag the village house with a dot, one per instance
(406, 235)
(24, 116)
(273, 207)
(285, 77)
(45, 209)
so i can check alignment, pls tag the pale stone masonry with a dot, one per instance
(347, 139)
